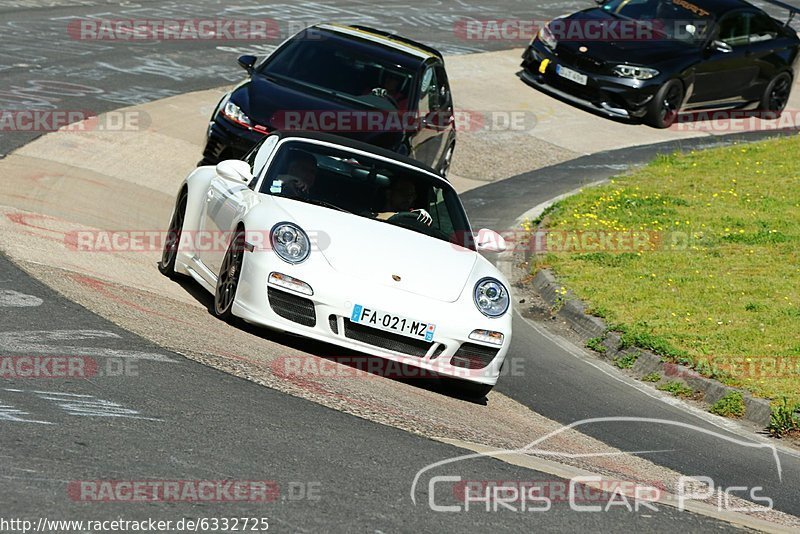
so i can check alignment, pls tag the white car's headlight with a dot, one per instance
(547, 38)
(637, 73)
(234, 113)
(290, 242)
(491, 297)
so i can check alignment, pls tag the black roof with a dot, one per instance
(357, 145)
(385, 50)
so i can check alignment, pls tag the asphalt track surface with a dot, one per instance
(191, 422)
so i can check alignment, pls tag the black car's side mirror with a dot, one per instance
(720, 46)
(600, 2)
(247, 62)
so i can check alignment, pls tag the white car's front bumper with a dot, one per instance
(325, 316)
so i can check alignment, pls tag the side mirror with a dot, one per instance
(721, 46)
(234, 170)
(247, 62)
(490, 241)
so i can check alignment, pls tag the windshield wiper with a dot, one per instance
(321, 203)
(279, 78)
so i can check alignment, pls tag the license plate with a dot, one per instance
(392, 323)
(571, 75)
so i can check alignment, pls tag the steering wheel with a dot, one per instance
(409, 220)
(383, 93)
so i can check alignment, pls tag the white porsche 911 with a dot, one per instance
(343, 242)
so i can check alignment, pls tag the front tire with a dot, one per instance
(172, 241)
(662, 112)
(776, 95)
(228, 279)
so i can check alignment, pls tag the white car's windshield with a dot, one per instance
(368, 187)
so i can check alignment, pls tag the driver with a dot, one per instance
(400, 197)
(392, 87)
(300, 176)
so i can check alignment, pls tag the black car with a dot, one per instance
(352, 81)
(651, 59)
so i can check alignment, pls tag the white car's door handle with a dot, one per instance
(210, 194)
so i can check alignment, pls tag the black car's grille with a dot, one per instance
(386, 340)
(296, 309)
(472, 356)
(581, 62)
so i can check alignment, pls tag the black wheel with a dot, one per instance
(663, 109)
(173, 238)
(447, 159)
(776, 95)
(228, 279)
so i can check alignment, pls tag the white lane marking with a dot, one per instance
(39, 342)
(10, 413)
(90, 406)
(74, 404)
(14, 299)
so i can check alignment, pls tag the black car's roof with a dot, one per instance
(356, 145)
(397, 50)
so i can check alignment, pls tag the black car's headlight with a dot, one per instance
(547, 37)
(637, 73)
(491, 297)
(290, 242)
(234, 113)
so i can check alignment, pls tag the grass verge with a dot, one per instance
(695, 257)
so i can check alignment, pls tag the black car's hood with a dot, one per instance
(617, 41)
(279, 106)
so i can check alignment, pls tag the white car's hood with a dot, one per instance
(378, 252)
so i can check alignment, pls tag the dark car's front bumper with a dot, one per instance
(612, 96)
(227, 140)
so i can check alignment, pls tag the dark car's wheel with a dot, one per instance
(663, 109)
(776, 95)
(170, 252)
(228, 279)
(447, 160)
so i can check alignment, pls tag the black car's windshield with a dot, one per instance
(367, 187)
(681, 20)
(327, 64)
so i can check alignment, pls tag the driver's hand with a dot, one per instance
(423, 216)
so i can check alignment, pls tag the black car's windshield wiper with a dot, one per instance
(279, 78)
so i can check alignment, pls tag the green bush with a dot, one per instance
(679, 389)
(731, 405)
